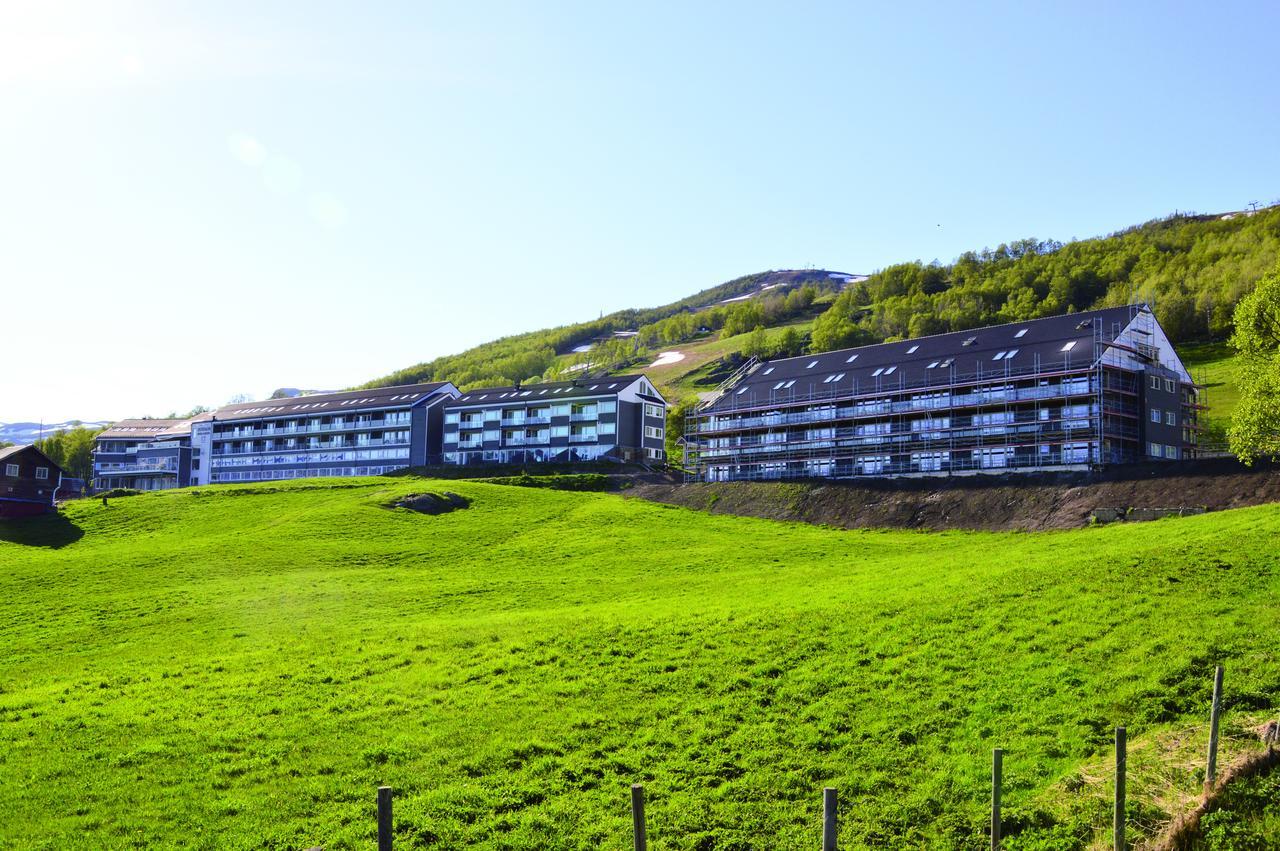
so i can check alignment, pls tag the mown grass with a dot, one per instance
(240, 667)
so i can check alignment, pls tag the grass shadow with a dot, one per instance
(52, 530)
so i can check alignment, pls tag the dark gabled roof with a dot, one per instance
(933, 360)
(330, 403)
(11, 451)
(547, 391)
(144, 429)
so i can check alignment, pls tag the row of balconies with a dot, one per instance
(875, 408)
(313, 447)
(361, 425)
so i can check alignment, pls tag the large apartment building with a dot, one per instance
(146, 455)
(620, 418)
(1064, 392)
(353, 433)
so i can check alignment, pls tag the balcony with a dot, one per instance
(585, 416)
(537, 420)
(141, 468)
(584, 437)
(513, 421)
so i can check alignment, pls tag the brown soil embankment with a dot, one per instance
(1023, 502)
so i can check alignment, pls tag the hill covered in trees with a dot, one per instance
(1193, 269)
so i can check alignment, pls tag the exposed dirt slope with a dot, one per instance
(981, 502)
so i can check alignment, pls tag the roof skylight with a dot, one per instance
(999, 356)
(890, 370)
(1021, 331)
(767, 371)
(1066, 347)
(912, 350)
(812, 364)
(969, 341)
(879, 370)
(853, 357)
(743, 390)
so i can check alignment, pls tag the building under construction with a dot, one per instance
(1063, 392)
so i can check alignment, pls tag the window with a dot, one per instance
(559, 431)
(605, 428)
(969, 341)
(1171, 452)
(11, 470)
(877, 372)
(1009, 355)
(932, 365)
(831, 378)
(912, 350)
(451, 417)
(1155, 415)
(1168, 385)
(946, 363)
(789, 383)
(1154, 449)
(812, 364)
(1021, 331)
(779, 385)
(653, 432)
(767, 371)
(851, 358)
(652, 410)
(743, 390)
(1155, 382)
(42, 472)
(1068, 346)
(999, 356)
(890, 370)
(1170, 418)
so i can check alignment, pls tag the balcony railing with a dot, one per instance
(586, 437)
(241, 434)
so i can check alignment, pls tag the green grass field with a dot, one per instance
(241, 667)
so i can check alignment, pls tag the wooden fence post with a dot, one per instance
(829, 805)
(997, 772)
(1211, 775)
(384, 818)
(639, 832)
(1121, 750)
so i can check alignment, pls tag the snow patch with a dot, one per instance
(665, 358)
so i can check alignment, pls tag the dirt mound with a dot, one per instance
(432, 503)
(1029, 502)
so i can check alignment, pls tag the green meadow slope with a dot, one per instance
(241, 667)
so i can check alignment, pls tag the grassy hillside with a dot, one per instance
(1193, 268)
(240, 667)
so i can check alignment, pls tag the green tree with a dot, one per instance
(1255, 426)
(72, 450)
(789, 343)
(757, 343)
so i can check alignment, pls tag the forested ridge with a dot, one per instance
(1193, 269)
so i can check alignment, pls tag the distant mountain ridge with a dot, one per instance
(31, 432)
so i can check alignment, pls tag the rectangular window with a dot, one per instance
(653, 432)
(1066, 347)
(609, 407)
(812, 364)
(1155, 382)
(11, 470)
(877, 372)
(1170, 418)
(1155, 415)
(767, 371)
(1168, 385)
(42, 472)
(912, 350)
(999, 356)
(1009, 355)
(451, 417)
(1020, 333)
(1154, 449)
(605, 428)
(1171, 452)
(890, 370)
(652, 411)
(851, 358)
(559, 431)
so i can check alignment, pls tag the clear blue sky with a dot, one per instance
(205, 199)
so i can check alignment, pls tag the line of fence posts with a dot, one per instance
(830, 801)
